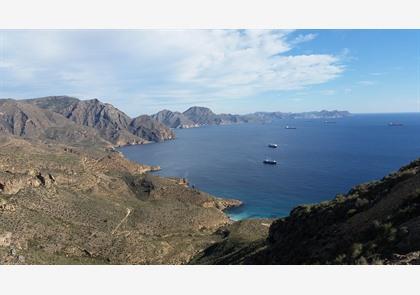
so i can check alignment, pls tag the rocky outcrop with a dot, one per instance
(12, 182)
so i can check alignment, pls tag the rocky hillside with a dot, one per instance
(375, 223)
(61, 204)
(112, 124)
(201, 116)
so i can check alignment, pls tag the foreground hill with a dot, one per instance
(61, 204)
(112, 124)
(201, 116)
(375, 223)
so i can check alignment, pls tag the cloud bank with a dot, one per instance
(150, 68)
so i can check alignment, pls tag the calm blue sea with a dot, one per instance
(315, 161)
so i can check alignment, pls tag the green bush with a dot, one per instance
(356, 250)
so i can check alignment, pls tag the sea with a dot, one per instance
(315, 162)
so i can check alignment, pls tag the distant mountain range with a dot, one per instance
(201, 116)
(92, 121)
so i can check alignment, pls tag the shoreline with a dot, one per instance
(221, 203)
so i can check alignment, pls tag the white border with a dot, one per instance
(214, 280)
(101, 14)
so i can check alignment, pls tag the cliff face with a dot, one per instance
(112, 124)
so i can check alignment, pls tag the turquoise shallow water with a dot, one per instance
(315, 161)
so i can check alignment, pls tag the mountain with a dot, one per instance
(374, 223)
(201, 116)
(28, 121)
(324, 114)
(270, 116)
(174, 119)
(111, 123)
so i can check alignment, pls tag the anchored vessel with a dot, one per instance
(395, 124)
(271, 162)
(289, 127)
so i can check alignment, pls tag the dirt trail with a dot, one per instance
(121, 222)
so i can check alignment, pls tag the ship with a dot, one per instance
(289, 127)
(273, 145)
(395, 124)
(271, 162)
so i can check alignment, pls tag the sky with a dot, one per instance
(230, 71)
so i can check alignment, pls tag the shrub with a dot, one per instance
(340, 259)
(352, 212)
(356, 250)
(362, 260)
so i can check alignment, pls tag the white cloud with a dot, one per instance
(304, 38)
(178, 65)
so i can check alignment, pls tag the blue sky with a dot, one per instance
(234, 71)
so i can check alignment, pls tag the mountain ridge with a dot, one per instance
(197, 116)
(111, 123)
